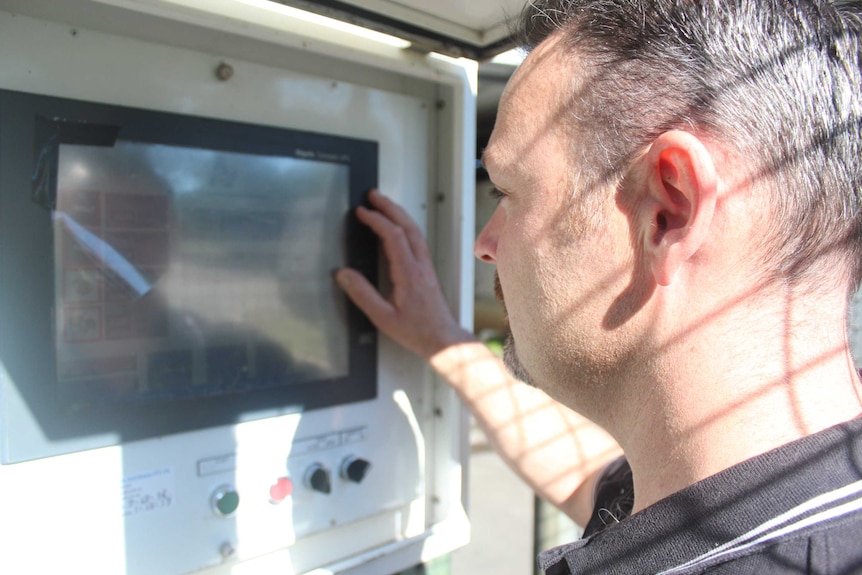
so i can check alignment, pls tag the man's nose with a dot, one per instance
(486, 244)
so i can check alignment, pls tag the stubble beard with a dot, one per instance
(510, 354)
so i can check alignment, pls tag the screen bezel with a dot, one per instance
(32, 127)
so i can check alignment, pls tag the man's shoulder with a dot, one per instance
(834, 550)
(797, 509)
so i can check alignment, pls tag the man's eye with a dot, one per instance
(496, 194)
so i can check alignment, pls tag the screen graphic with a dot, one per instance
(182, 272)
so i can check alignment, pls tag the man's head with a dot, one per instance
(760, 97)
(776, 81)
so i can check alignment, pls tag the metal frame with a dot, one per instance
(427, 34)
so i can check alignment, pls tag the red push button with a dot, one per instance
(280, 490)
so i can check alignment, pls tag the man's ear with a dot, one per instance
(681, 195)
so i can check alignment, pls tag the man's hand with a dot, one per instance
(556, 451)
(415, 314)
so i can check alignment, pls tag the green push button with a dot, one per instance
(225, 501)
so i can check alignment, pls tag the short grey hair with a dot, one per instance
(778, 81)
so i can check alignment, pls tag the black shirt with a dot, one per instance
(814, 485)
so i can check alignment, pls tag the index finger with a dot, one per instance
(400, 217)
(395, 243)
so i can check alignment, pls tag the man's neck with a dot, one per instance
(719, 399)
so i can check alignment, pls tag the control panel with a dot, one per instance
(178, 372)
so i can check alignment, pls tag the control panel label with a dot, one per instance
(148, 492)
(328, 441)
(213, 465)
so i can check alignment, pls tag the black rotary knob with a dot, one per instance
(319, 479)
(355, 469)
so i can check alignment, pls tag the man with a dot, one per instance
(677, 238)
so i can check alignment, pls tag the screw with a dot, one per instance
(226, 550)
(224, 72)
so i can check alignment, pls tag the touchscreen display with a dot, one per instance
(189, 272)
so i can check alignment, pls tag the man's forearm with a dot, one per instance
(556, 451)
